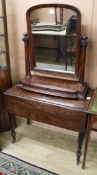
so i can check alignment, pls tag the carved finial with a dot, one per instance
(84, 41)
(25, 38)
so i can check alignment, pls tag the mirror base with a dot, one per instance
(54, 87)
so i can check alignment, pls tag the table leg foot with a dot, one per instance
(80, 142)
(28, 121)
(83, 166)
(13, 133)
(78, 158)
(12, 120)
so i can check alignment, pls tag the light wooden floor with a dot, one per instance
(50, 147)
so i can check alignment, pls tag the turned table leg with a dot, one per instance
(12, 120)
(88, 131)
(80, 142)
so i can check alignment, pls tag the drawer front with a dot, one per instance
(46, 113)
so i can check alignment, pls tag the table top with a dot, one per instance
(77, 105)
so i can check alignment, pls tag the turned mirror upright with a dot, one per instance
(55, 52)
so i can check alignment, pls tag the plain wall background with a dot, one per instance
(16, 17)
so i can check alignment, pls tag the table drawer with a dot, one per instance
(46, 113)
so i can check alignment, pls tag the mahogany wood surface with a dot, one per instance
(30, 62)
(55, 87)
(76, 105)
(4, 118)
(84, 42)
(59, 84)
(65, 113)
(5, 79)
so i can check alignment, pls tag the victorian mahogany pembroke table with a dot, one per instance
(70, 114)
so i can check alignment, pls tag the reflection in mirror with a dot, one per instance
(0, 8)
(3, 63)
(54, 37)
(1, 26)
(2, 43)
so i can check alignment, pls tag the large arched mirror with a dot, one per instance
(55, 31)
(54, 51)
(54, 38)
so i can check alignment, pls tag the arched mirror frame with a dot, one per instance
(31, 57)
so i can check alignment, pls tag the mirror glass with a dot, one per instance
(1, 26)
(0, 8)
(54, 32)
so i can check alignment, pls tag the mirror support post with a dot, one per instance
(27, 63)
(84, 42)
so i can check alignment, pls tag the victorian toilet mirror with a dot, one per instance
(54, 50)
